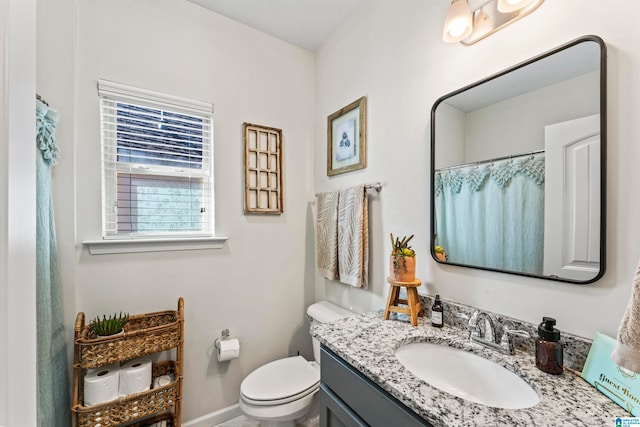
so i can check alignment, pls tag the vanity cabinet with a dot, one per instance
(349, 399)
(145, 334)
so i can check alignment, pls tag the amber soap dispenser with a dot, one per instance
(437, 313)
(549, 347)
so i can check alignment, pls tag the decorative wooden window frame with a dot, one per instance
(262, 169)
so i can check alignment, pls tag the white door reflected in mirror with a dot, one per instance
(572, 199)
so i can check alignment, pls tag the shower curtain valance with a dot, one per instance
(502, 172)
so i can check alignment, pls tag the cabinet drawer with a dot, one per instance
(368, 400)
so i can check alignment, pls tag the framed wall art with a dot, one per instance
(347, 137)
(262, 169)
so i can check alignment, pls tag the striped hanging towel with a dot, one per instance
(353, 237)
(327, 235)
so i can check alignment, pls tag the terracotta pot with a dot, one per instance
(441, 256)
(402, 268)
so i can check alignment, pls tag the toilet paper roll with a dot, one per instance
(101, 385)
(162, 381)
(227, 349)
(135, 376)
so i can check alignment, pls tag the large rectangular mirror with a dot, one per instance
(518, 166)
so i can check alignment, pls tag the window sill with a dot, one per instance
(101, 247)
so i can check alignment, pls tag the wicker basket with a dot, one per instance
(144, 334)
(135, 406)
(169, 418)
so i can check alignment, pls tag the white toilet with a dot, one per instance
(283, 391)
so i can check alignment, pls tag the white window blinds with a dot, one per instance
(157, 159)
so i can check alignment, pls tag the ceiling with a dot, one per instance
(563, 64)
(305, 23)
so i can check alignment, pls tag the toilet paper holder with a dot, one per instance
(227, 348)
(225, 336)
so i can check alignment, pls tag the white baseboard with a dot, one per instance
(214, 418)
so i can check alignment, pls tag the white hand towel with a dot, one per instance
(353, 237)
(627, 350)
(327, 235)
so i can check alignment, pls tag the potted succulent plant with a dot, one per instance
(402, 265)
(111, 325)
(440, 253)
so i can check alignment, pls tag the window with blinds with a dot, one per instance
(157, 164)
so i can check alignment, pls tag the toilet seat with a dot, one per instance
(281, 381)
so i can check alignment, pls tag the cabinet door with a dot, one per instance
(362, 396)
(335, 413)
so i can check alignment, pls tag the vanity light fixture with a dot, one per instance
(508, 6)
(469, 21)
(458, 23)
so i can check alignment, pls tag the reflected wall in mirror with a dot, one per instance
(518, 167)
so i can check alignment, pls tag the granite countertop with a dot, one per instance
(368, 343)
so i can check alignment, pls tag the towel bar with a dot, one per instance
(377, 186)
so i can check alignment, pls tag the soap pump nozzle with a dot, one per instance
(547, 330)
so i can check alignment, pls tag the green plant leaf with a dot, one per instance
(109, 325)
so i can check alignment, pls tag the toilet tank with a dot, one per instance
(324, 312)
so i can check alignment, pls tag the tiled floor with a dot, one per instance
(242, 421)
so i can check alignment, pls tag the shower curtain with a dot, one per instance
(492, 215)
(53, 390)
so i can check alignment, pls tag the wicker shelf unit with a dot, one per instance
(145, 334)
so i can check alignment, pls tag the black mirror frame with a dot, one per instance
(603, 158)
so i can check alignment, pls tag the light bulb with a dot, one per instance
(457, 28)
(458, 23)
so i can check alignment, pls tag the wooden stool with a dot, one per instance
(413, 303)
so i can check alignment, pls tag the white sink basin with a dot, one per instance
(467, 375)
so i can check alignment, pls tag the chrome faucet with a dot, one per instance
(487, 336)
